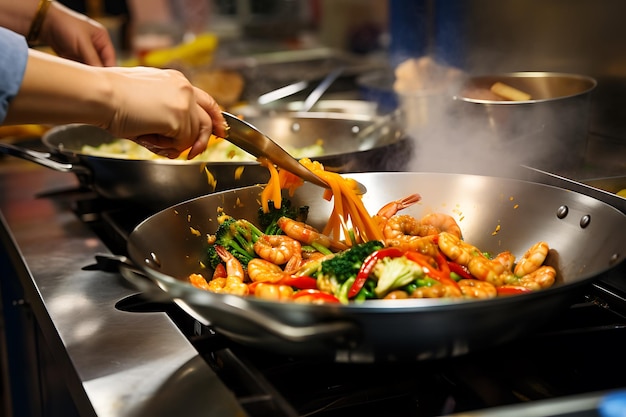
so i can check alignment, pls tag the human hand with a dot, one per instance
(162, 111)
(75, 36)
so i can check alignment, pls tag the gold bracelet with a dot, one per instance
(35, 26)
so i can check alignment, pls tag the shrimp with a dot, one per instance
(307, 234)
(198, 281)
(273, 292)
(425, 245)
(229, 285)
(473, 288)
(542, 277)
(233, 266)
(390, 209)
(456, 249)
(499, 274)
(260, 270)
(506, 258)
(277, 249)
(435, 223)
(400, 226)
(436, 291)
(491, 271)
(532, 259)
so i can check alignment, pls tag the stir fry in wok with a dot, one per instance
(388, 255)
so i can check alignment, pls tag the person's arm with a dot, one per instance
(70, 34)
(18, 15)
(12, 66)
(159, 109)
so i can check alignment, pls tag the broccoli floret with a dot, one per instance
(394, 273)
(345, 265)
(237, 236)
(212, 256)
(268, 220)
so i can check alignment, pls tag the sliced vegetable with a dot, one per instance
(301, 283)
(460, 270)
(396, 272)
(314, 296)
(425, 262)
(368, 265)
(512, 290)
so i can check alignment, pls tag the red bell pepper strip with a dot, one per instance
(302, 283)
(220, 271)
(311, 295)
(460, 270)
(512, 290)
(424, 262)
(368, 265)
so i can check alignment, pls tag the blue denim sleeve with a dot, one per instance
(14, 54)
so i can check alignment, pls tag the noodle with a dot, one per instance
(349, 217)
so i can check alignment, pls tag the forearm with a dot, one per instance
(57, 91)
(17, 15)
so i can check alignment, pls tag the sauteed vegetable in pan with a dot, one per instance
(494, 214)
(388, 255)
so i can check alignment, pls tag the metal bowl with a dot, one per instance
(549, 131)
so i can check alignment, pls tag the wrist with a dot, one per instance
(34, 31)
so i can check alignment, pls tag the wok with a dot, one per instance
(157, 184)
(586, 237)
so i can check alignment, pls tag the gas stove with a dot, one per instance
(577, 353)
(121, 354)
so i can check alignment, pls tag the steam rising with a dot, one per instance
(452, 133)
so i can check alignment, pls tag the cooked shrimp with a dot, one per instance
(307, 234)
(401, 226)
(436, 291)
(233, 266)
(506, 258)
(277, 249)
(435, 223)
(396, 295)
(273, 292)
(260, 270)
(229, 285)
(542, 277)
(456, 249)
(391, 208)
(473, 288)
(425, 245)
(198, 281)
(491, 271)
(532, 259)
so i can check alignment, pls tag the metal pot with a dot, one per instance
(495, 214)
(549, 131)
(156, 184)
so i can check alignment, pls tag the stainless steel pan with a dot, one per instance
(157, 184)
(587, 238)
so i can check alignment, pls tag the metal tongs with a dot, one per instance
(253, 141)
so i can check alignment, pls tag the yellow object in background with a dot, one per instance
(22, 131)
(509, 93)
(194, 53)
(622, 193)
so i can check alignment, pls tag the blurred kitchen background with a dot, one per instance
(238, 50)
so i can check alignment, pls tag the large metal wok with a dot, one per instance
(587, 237)
(157, 184)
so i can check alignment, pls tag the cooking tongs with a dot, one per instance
(253, 141)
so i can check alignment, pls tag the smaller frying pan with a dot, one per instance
(157, 184)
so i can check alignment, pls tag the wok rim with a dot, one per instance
(401, 137)
(593, 84)
(408, 305)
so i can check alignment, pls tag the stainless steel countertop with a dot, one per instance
(115, 363)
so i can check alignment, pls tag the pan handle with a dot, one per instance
(45, 159)
(339, 332)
